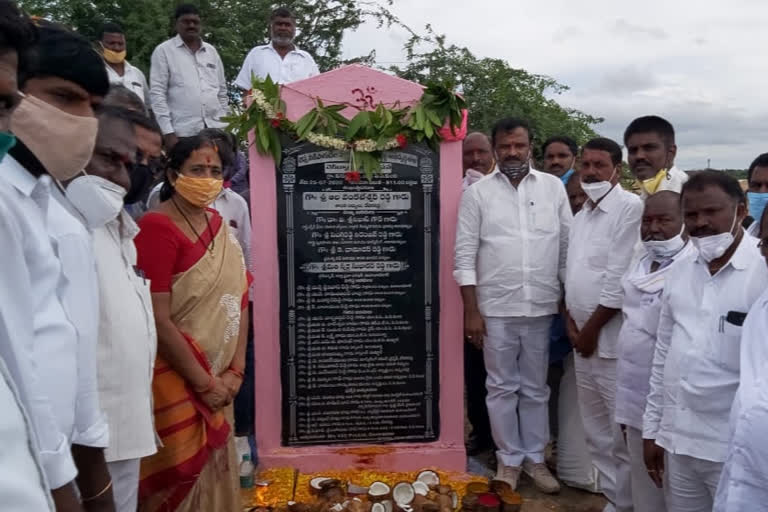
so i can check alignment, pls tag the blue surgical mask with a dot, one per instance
(565, 178)
(7, 141)
(757, 203)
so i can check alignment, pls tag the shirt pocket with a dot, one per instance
(543, 218)
(209, 73)
(596, 257)
(728, 351)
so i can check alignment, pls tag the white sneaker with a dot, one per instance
(509, 475)
(542, 477)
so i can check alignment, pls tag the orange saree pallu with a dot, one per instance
(196, 468)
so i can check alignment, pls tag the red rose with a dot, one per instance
(275, 123)
(402, 141)
(280, 115)
(352, 176)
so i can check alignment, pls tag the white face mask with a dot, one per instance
(661, 250)
(96, 199)
(598, 190)
(714, 246)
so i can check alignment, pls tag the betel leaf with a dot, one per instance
(357, 123)
(275, 146)
(262, 134)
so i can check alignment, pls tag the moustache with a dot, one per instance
(703, 232)
(590, 179)
(642, 163)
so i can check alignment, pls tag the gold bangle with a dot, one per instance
(109, 485)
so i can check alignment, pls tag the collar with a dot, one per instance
(179, 42)
(295, 49)
(126, 225)
(608, 202)
(533, 174)
(17, 176)
(742, 256)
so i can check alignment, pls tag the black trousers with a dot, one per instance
(474, 378)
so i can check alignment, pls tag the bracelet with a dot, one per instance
(109, 486)
(210, 386)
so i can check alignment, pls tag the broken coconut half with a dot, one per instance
(430, 478)
(420, 488)
(378, 507)
(403, 494)
(356, 490)
(315, 485)
(378, 491)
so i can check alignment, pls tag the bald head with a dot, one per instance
(476, 153)
(662, 216)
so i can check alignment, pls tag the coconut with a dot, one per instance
(420, 488)
(403, 494)
(430, 507)
(378, 507)
(429, 477)
(445, 501)
(443, 489)
(388, 506)
(315, 484)
(337, 507)
(378, 491)
(356, 490)
(454, 499)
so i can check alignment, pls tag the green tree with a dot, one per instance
(494, 89)
(232, 26)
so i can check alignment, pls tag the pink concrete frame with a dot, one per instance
(448, 451)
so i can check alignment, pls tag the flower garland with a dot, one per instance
(366, 136)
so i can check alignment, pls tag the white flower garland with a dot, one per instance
(363, 145)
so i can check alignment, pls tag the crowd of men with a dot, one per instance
(656, 301)
(83, 137)
(661, 295)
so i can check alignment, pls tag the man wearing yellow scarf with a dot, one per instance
(119, 70)
(651, 151)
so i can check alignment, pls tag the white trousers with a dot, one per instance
(646, 497)
(516, 353)
(596, 384)
(125, 484)
(690, 484)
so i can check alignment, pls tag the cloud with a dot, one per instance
(699, 67)
(622, 27)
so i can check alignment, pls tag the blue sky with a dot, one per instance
(700, 63)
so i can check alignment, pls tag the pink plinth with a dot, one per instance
(363, 87)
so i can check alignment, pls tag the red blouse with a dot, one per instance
(163, 250)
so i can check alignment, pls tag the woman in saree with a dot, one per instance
(199, 292)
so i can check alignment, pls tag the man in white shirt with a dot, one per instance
(744, 480)
(696, 364)
(511, 244)
(757, 192)
(32, 445)
(55, 127)
(477, 162)
(119, 70)
(281, 60)
(477, 158)
(666, 247)
(127, 337)
(604, 235)
(651, 152)
(186, 81)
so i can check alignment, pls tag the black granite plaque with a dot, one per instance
(359, 298)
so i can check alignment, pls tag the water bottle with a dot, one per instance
(246, 472)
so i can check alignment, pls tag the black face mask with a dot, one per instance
(141, 180)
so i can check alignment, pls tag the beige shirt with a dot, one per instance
(127, 342)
